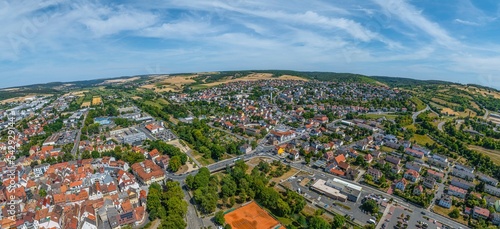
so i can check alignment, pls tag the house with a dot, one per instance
(393, 160)
(456, 191)
(368, 158)
(163, 161)
(464, 168)
(154, 128)
(462, 183)
(462, 174)
(438, 163)
(282, 136)
(148, 172)
(401, 184)
(329, 156)
(413, 166)
(340, 158)
(487, 179)
(412, 175)
(479, 212)
(439, 157)
(429, 182)
(375, 173)
(153, 154)
(418, 190)
(436, 175)
(294, 155)
(245, 148)
(376, 154)
(495, 218)
(321, 118)
(414, 153)
(445, 201)
(492, 190)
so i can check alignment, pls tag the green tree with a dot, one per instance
(316, 222)
(454, 214)
(42, 192)
(338, 222)
(219, 218)
(370, 206)
(174, 164)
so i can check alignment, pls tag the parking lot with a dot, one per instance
(349, 208)
(415, 220)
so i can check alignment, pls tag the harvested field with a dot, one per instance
(255, 77)
(21, 99)
(169, 83)
(118, 81)
(251, 216)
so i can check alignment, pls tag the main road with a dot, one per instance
(78, 136)
(220, 165)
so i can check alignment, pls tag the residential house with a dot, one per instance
(479, 212)
(148, 172)
(456, 191)
(487, 179)
(436, 175)
(401, 184)
(418, 190)
(414, 153)
(495, 218)
(492, 190)
(464, 168)
(412, 175)
(445, 201)
(245, 148)
(438, 163)
(429, 182)
(153, 154)
(393, 160)
(375, 173)
(463, 174)
(462, 183)
(369, 158)
(413, 166)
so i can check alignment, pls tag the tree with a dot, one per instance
(42, 193)
(338, 222)
(96, 154)
(219, 218)
(317, 222)
(454, 214)
(174, 164)
(370, 206)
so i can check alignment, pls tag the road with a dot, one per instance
(415, 115)
(222, 164)
(440, 125)
(76, 145)
(192, 219)
(486, 114)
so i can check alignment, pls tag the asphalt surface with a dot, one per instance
(76, 145)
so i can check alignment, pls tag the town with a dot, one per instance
(292, 153)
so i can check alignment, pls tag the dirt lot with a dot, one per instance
(188, 167)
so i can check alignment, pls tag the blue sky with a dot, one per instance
(63, 40)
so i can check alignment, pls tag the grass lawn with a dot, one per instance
(162, 101)
(377, 116)
(444, 212)
(493, 154)
(153, 104)
(386, 149)
(422, 139)
(411, 127)
(420, 105)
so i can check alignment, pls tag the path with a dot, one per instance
(416, 114)
(440, 125)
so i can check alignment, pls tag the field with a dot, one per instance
(169, 83)
(418, 103)
(254, 77)
(250, 216)
(377, 116)
(493, 154)
(119, 81)
(444, 212)
(21, 99)
(422, 139)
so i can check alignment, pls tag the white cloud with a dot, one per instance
(465, 22)
(413, 17)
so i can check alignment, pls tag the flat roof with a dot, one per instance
(350, 185)
(321, 186)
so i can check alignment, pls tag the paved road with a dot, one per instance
(486, 114)
(297, 165)
(415, 115)
(192, 219)
(76, 145)
(440, 125)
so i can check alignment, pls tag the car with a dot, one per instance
(423, 213)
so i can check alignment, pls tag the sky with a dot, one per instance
(66, 40)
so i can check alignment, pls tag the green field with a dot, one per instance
(422, 139)
(493, 154)
(153, 104)
(377, 116)
(420, 105)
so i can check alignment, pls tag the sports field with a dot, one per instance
(251, 216)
